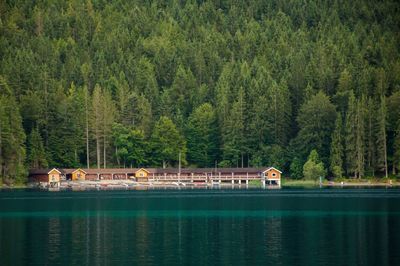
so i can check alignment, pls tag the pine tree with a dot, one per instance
(350, 135)
(336, 155)
(12, 136)
(345, 82)
(87, 110)
(278, 112)
(316, 121)
(370, 137)
(202, 136)
(381, 137)
(96, 120)
(396, 148)
(107, 120)
(360, 137)
(167, 142)
(234, 142)
(36, 153)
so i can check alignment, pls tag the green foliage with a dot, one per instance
(316, 122)
(36, 154)
(167, 142)
(396, 156)
(296, 169)
(233, 137)
(336, 154)
(12, 136)
(202, 134)
(130, 146)
(313, 169)
(381, 138)
(276, 74)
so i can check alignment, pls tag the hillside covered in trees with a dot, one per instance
(281, 83)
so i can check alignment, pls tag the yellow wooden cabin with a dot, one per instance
(273, 176)
(78, 175)
(141, 174)
(54, 177)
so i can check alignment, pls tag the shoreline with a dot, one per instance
(336, 184)
(132, 185)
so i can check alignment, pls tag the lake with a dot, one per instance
(201, 227)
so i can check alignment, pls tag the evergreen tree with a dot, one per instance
(396, 155)
(278, 112)
(96, 121)
(316, 122)
(12, 136)
(167, 142)
(360, 137)
(234, 142)
(36, 153)
(165, 60)
(370, 137)
(313, 169)
(381, 139)
(107, 120)
(351, 135)
(130, 145)
(202, 136)
(296, 168)
(336, 155)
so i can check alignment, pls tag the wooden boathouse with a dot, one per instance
(268, 176)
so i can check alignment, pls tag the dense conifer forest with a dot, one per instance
(310, 87)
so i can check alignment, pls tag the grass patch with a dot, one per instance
(8, 183)
(299, 183)
(255, 183)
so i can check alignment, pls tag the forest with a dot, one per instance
(310, 87)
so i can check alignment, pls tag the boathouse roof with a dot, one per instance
(250, 170)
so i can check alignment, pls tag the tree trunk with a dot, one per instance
(385, 156)
(116, 156)
(87, 128)
(46, 114)
(104, 152)
(98, 151)
(1, 152)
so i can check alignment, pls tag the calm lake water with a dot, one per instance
(201, 227)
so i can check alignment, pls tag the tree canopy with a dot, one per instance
(237, 83)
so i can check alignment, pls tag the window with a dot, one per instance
(141, 174)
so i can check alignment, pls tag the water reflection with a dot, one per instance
(237, 232)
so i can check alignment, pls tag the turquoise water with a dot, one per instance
(200, 227)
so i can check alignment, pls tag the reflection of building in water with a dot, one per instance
(54, 238)
(142, 241)
(273, 238)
